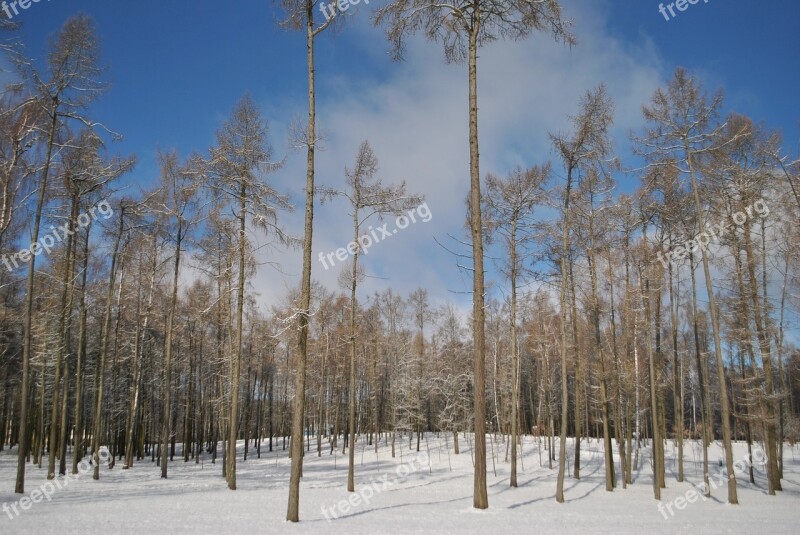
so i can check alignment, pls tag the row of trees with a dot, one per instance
(591, 330)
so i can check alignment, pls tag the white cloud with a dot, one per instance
(416, 121)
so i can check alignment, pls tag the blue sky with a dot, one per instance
(178, 67)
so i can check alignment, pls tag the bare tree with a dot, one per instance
(587, 146)
(300, 15)
(683, 128)
(177, 204)
(74, 70)
(85, 171)
(236, 169)
(463, 26)
(509, 212)
(367, 196)
(743, 169)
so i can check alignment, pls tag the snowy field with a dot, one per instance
(426, 494)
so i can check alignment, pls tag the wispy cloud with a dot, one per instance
(416, 120)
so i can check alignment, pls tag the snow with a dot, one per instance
(421, 497)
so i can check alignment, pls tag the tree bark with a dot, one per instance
(480, 499)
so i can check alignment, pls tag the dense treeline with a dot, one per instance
(613, 316)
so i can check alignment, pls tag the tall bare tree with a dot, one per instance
(74, 81)
(683, 126)
(510, 214)
(367, 197)
(585, 147)
(85, 171)
(463, 26)
(743, 169)
(177, 203)
(300, 16)
(237, 169)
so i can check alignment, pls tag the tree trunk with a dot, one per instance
(565, 245)
(644, 284)
(99, 380)
(576, 462)
(166, 399)
(677, 371)
(236, 368)
(292, 513)
(705, 411)
(79, 440)
(137, 362)
(712, 305)
(27, 340)
(351, 420)
(773, 476)
(514, 357)
(480, 498)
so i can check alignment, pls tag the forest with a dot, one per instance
(636, 317)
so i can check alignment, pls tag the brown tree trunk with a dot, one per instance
(644, 282)
(712, 305)
(351, 418)
(705, 410)
(137, 361)
(677, 371)
(166, 398)
(565, 245)
(773, 475)
(236, 368)
(79, 447)
(514, 357)
(27, 340)
(99, 373)
(64, 327)
(292, 513)
(480, 498)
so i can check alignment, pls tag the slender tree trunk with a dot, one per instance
(598, 350)
(514, 357)
(187, 413)
(170, 327)
(773, 476)
(480, 496)
(661, 418)
(27, 340)
(708, 421)
(677, 370)
(137, 361)
(99, 380)
(236, 368)
(64, 328)
(644, 283)
(576, 462)
(620, 423)
(292, 513)
(79, 440)
(781, 372)
(746, 346)
(712, 305)
(565, 245)
(322, 405)
(352, 400)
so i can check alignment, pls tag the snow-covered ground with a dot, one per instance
(420, 497)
